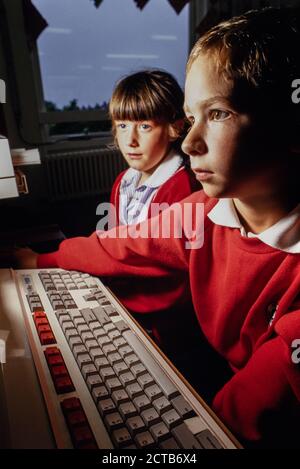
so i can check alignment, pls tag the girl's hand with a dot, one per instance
(25, 258)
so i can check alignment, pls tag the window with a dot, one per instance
(85, 50)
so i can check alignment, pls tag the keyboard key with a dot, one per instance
(138, 369)
(131, 359)
(160, 377)
(125, 350)
(184, 437)
(145, 380)
(144, 440)
(162, 404)
(76, 418)
(82, 435)
(127, 378)
(119, 342)
(113, 384)
(127, 409)
(63, 385)
(106, 406)
(99, 392)
(106, 373)
(113, 421)
(171, 418)
(88, 315)
(70, 404)
(135, 424)
(119, 396)
(121, 325)
(183, 407)
(47, 338)
(83, 359)
(88, 370)
(170, 443)
(153, 391)
(134, 390)
(207, 440)
(101, 315)
(93, 381)
(150, 416)
(142, 402)
(114, 358)
(160, 431)
(96, 352)
(101, 362)
(120, 367)
(121, 437)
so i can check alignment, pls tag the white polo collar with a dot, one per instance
(163, 172)
(283, 235)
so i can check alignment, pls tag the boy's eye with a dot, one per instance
(189, 121)
(218, 115)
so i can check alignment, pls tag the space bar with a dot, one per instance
(158, 374)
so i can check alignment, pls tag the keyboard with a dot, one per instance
(104, 383)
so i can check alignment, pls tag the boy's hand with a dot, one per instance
(25, 258)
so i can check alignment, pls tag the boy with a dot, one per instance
(245, 279)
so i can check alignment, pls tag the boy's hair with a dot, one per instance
(259, 53)
(147, 95)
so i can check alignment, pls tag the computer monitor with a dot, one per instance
(8, 185)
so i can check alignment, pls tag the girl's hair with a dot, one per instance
(147, 95)
(259, 53)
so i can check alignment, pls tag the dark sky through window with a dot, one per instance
(85, 50)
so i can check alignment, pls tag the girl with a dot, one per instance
(147, 116)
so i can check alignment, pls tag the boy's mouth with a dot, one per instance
(202, 174)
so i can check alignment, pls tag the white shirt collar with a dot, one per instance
(163, 172)
(283, 235)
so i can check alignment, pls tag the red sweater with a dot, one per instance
(176, 188)
(235, 282)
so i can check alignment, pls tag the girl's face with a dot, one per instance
(144, 144)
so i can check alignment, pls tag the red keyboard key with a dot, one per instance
(47, 338)
(70, 404)
(82, 435)
(51, 351)
(59, 370)
(76, 418)
(55, 360)
(39, 315)
(63, 384)
(41, 322)
(44, 328)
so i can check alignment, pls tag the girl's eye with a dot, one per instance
(145, 126)
(218, 115)
(121, 125)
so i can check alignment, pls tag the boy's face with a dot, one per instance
(226, 148)
(143, 144)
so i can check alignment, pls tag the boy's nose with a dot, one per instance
(194, 145)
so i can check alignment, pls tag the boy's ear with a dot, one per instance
(176, 129)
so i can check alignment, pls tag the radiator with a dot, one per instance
(82, 173)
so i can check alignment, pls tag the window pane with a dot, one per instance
(85, 50)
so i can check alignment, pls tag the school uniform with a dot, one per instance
(171, 182)
(246, 295)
